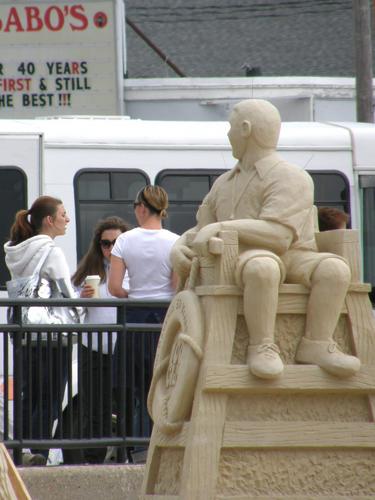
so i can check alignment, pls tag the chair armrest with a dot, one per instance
(343, 242)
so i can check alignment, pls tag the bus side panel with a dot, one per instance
(62, 164)
(21, 156)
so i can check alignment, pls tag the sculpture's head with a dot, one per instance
(253, 120)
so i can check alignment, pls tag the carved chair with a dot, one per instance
(220, 432)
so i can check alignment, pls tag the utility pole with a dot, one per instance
(154, 47)
(363, 60)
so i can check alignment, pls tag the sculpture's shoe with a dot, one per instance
(328, 356)
(264, 360)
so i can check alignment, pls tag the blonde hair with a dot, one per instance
(155, 198)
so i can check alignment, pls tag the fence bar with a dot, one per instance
(59, 373)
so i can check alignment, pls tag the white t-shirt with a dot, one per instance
(146, 254)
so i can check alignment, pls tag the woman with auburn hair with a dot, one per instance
(31, 235)
(144, 252)
(330, 218)
(97, 262)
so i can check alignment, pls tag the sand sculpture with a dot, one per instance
(11, 484)
(263, 372)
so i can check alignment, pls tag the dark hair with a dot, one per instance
(331, 218)
(92, 261)
(28, 223)
(155, 198)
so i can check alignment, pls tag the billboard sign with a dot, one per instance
(61, 58)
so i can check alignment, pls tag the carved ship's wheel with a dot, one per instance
(177, 363)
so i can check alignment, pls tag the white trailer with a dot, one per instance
(96, 165)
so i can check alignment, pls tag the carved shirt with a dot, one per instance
(274, 190)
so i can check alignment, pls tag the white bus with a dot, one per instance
(96, 165)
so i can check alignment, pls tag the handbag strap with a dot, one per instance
(42, 260)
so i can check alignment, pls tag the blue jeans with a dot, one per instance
(140, 354)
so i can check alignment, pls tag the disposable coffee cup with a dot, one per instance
(94, 281)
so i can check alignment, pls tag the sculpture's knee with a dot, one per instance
(332, 272)
(262, 271)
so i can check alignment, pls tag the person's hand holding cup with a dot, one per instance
(91, 287)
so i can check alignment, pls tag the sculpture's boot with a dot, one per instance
(264, 360)
(327, 355)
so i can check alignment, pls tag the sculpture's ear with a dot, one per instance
(245, 128)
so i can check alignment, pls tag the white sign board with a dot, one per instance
(61, 58)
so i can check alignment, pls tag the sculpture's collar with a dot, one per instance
(263, 166)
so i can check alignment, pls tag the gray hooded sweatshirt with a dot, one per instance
(23, 258)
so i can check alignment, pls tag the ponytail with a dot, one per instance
(21, 229)
(28, 223)
(155, 198)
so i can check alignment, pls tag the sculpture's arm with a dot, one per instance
(251, 233)
(181, 255)
(262, 234)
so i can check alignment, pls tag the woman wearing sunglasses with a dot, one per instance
(144, 252)
(97, 262)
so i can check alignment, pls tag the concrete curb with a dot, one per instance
(83, 482)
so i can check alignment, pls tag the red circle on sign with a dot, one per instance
(100, 19)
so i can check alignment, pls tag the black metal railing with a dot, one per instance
(56, 401)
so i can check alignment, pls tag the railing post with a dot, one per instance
(17, 385)
(6, 385)
(121, 382)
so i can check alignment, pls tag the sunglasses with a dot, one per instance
(107, 243)
(136, 203)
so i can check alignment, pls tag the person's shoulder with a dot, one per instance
(218, 184)
(56, 252)
(167, 236)
(284, 170)
(166, 233)
(223, 178)
(128, 234)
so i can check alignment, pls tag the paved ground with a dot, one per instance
(112, 482)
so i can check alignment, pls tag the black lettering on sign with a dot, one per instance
(42, 84)
(37, 100)
(72, 83)
(67, 68)
(28, 68)
(6, 101)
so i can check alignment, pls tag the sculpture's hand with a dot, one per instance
(181, 257)
(200, 243)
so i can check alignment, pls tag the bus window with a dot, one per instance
(13, 196)
(186, 189)
(99, 194)
(331, 189)
(367, 185)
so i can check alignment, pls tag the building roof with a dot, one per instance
(220, 38)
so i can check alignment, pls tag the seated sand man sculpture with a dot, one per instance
(269, 202)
